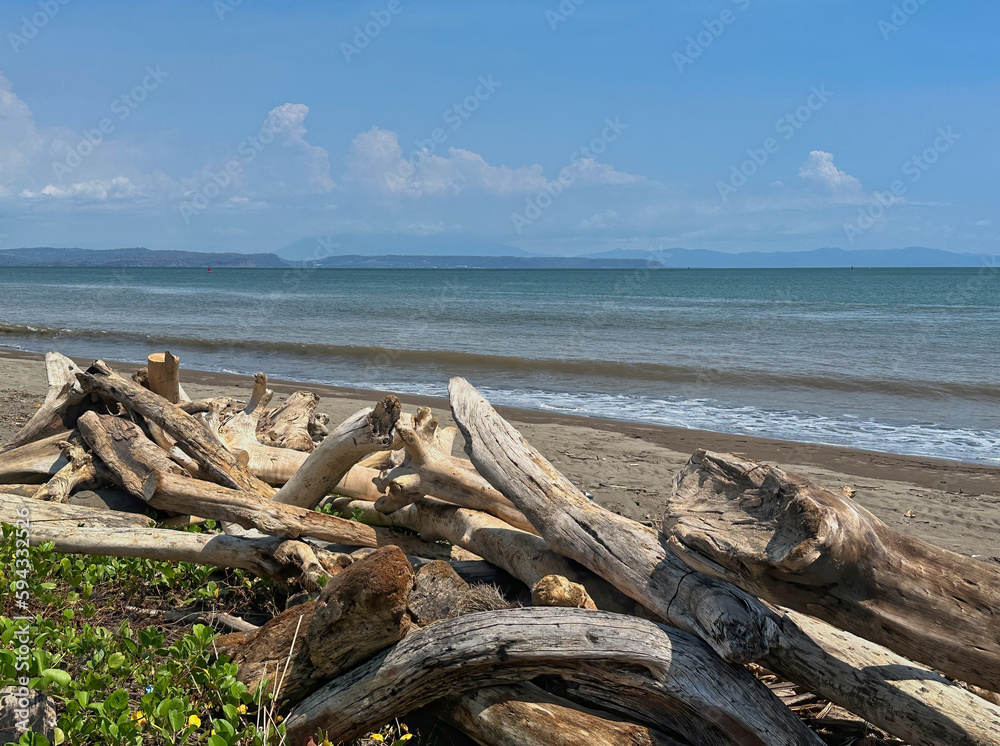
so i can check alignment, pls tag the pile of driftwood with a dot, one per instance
(638, 636)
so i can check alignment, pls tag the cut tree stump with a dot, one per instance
(658, 673)
(287, 426)
(791, 542)
(163, 376)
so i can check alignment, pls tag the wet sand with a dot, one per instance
(628, 467)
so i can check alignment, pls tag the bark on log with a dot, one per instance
(901, 697)
(80, 471)
(365, 432)
(665, 675)
(523, 555)
(555, 590)
(288, 563)
(361, 611)
(627, 554)
(191, 436)
(791, 542)
(34, 462)
(64, 392)
(287, 426)
(526, 715)
(143, 470)
(429, 469)
(46, 514)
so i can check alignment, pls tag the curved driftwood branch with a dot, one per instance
(64, 392)
(193, 438)
(665, 673)
(624, 552)
(363, 433)
(78, 472)
(791, 542)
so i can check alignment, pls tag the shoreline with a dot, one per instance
(628, 467)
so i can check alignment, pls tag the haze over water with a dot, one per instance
(898, 360)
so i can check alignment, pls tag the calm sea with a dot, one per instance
(905, 361)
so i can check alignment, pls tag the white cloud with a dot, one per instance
(819, 170)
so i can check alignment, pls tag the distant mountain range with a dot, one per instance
(303, 254)
(913, 256)
(317, 248)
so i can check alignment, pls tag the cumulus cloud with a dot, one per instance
(819, 170)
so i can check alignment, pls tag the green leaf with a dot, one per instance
(116, 702)
(57, 675)
(116, 660)
(58, 737)
(83, 697)
(176, 719)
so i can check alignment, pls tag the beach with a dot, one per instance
(628, 467)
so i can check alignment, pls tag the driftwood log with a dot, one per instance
(34, 462)
(64, 392)
(666, 676)
(191, 436)
(791, 542)
(287, 426)
(903, 698)
(48, 514)
(79, 472)
(363, 433)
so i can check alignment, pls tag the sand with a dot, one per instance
(628, 467)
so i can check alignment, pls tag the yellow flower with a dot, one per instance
(138, 717)
(242, 709)
(377, 737)
(326, 742)
(403, 739)
(195, 721)
(279, 719)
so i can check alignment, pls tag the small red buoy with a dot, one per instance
(209, 269)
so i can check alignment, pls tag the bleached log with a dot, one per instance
(163, 376)
(34, 462)
(78, 472)
(287, 426)
(527, 715)
(555, 590)
(901, 697)
(286, 562)
(666, 677)
(791, 542)
(52, 515)
(429, 469)
(363, 433)
(524, 556)
(191, 436)
(64, 392)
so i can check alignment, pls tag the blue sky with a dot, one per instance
(554, 127)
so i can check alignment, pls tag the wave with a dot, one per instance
(684, 381)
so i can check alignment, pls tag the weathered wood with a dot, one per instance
(629, 555)
(34, 462)
(361, 611)
(429, 469)
(555, 590)
(190, 435)
(64, 392)
(286, 562)
(287, 426)
(791, 542)
(523, 555)
(526, 715)
(46, 514)
(668, 676)
(79, 472)
(363, 433)
(901, 697)
(163, 376)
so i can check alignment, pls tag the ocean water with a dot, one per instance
(898, 360)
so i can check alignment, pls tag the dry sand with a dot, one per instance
(628, 467)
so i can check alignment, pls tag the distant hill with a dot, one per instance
(913, 256)
(137, 257)
(349, 244)
(480, 262)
